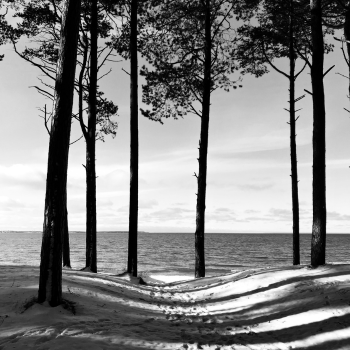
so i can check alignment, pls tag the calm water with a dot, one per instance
(174, 252)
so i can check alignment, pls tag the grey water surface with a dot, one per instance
(174, 252)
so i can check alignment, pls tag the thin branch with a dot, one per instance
(342, 49)
(343, 75)
(125, 71)
(342, 40)
(328, 70)
(46, 120)
(81, 76)
(43, 92)
(32, 62)
(304, 57)
(299, 98)
(195, 111)
(103, 75)
(76, 140)
(271, 64)
(296, 75)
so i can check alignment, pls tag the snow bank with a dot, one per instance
(264, 309)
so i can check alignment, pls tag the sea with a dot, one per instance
(173, 253)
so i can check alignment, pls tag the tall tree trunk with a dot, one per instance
(134, 144)
(203, 151)
(347, 37)
(318, 243)
(293, 147)
(91, 251)
(50, 281)
(66, 249)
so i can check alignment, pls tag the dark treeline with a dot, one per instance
(192, 48)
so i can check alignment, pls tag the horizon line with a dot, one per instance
(186, 232)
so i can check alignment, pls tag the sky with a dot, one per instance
(248, 184)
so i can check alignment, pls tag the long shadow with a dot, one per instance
(294, 304)
(280, 284)
(297, 333)
(180, 331)
(196, 332)
(165, 288)
(286, 282)
(265, 318)
(85, 343)
(297, 299)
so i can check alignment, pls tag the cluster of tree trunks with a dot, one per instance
(50, 282)
(55, 229)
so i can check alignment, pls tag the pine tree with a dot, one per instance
(41, 21)
(318, 243)
(134, 143)
(188, 44)
(90, 138)
(281, 30)
(127, 45)
(50, 282)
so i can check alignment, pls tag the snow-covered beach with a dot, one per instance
(275, 308)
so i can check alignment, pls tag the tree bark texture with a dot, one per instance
(203, 151)
(293, 147)
(66, 249)
(50, 281)
(134, 144)
(318, 242)
(91, 250)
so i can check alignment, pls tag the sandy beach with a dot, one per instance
(265, 309)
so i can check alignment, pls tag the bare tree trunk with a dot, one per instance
(66, 249)
(293, 148)
(347, 37)
(50, 281)
(134, 144)
(318, 243)
(203, 151)
(91, 250)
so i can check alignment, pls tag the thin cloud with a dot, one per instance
(168, 214)
(223, 210)
(19, 175)
(251, 211)
(147, 204)
(255, 187)
(9, 204)
(256, 218)
(280, 214)
(272, 154)
(333, 215)
(102, 203)
(180, 203)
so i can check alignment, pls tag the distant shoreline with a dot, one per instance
(215, 233)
